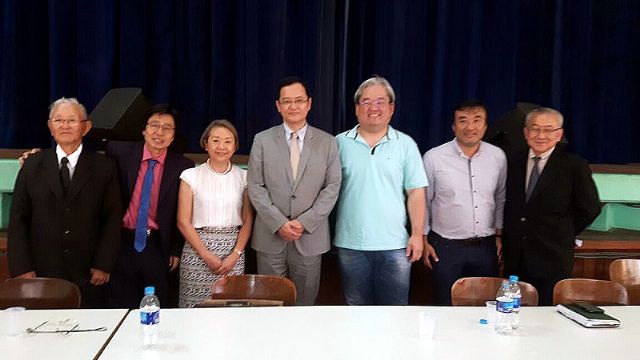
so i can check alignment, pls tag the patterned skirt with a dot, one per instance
(195, 276)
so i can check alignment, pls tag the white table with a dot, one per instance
(85, 345)
(343, 332)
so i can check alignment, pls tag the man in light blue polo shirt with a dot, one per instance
(383, 181)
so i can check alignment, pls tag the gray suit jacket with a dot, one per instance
(278, 199)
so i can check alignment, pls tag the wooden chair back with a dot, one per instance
(475, 291)
(255, 287)
(39, 293)
(597, 292)
(627, 273)
(239, 303)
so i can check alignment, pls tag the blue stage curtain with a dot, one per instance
(223, 59)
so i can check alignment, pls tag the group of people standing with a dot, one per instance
(472, 208)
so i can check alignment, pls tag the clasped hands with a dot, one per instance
(291, 230)
(218, 266)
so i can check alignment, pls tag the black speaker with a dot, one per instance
(119, 115)
(506, 132)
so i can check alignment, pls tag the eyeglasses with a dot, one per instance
(70, 122)
(369, 102)
(155, 127)
(543, 131)
(297, 102)
(63, 326)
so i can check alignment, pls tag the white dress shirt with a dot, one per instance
(73, 159)
(465, 196)
(541, 164)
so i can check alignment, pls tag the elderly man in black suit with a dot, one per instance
(149, 178)
(66, 209)
(551, 197)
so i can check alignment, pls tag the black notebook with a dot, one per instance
(587, 315)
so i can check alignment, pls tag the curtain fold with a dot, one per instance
(223, 59)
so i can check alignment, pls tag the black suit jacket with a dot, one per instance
(128, 156)
(539, 235)
(58, 236)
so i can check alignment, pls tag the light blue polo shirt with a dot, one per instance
(371, 210)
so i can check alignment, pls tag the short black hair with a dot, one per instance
(290, 80)
(162, 109)
(469, 104)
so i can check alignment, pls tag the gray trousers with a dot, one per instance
(304, 271)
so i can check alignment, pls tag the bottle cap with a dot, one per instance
(513, 278)
(149, 290)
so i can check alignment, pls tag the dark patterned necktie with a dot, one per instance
(140, 240)
(65, 178)
(533, 178)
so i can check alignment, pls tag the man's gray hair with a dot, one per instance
(543, 110)
(375, 80)
(69, 101)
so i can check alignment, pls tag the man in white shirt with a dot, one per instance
(465, 203)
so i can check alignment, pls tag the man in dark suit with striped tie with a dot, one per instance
(551, 198)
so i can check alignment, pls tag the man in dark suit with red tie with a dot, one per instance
(149, 178)
(66, 210)
(551, 198)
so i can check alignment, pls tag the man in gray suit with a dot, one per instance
(294, 179)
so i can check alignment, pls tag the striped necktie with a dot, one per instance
(533, 178)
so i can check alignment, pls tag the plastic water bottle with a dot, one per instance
(149, 316)
(514, 290)
(504, 306)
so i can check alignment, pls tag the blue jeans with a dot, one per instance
(375, 277)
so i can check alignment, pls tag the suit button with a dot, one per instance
(523, 219)
(67, 209)
(66, 232)
(66, 251)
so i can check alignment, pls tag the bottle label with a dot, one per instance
(504, 305)
(149, 318)
(516, 303)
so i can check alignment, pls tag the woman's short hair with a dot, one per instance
(223, 123)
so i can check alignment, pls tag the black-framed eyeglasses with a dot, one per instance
(61, 327)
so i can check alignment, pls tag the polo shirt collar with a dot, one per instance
(392, 134)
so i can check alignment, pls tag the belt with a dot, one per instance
(472, 241)
(131, 234)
